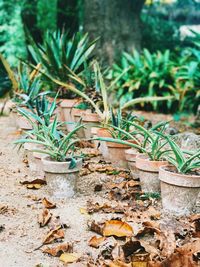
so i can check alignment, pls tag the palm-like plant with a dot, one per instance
(60, 56)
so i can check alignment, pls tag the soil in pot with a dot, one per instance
(148, 173)
(61, 180)
(179, 192)
(67, 106)
(90, 120)
(131, 155)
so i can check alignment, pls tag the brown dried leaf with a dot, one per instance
(48, 204)
(95, 241)
(117, 263)
(44, 218)
(70, 257)
(53, 235)
(117, 228)
(3, 209)
(35, 184)
(96, 227)
(56, 251)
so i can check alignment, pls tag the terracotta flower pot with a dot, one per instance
(34, 158)
(67, 106)
(131, 155)
(59, 110)
(38, 162)
(148, 173)
(78, 115)
(116, 154)
(179, 192)
(90, 120)
(103, 132)
(61, 180)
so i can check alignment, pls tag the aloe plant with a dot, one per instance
(183, 161)
(146, 141)
(60, 55)
(59, 146)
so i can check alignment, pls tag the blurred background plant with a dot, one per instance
(164, 35)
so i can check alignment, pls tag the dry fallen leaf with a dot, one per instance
(117, 263)
(48, 204)
(3, 209)
(117, 228)
(96, 227)
(56, 251)
(44, 217)
(69, 257)
(53, 235)
(95, 241)
(35, 184)
(83, 211)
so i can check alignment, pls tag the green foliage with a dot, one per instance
(184, 162)
(159, 74)
(46, 15)
(59, 146)
(12, 39)
(29, 87)
(61, 56)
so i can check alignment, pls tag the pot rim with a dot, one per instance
(163, 168)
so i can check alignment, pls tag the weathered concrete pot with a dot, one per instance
(179, 192)
(90, 120)
(61, 180)
(78, 115)
(67, 106)
(37, 159)
(131, 155)
(116, 154)
(103, 132)
(34, 158)
(148, 173)
(94, 134)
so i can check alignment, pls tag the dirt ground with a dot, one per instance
(20, 234)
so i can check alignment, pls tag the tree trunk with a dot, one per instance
(116, 22)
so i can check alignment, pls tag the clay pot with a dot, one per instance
(90, 120)
(38, 162)
(78, 115)
(67, 105)
(61, 180)
(179, 192)
(148, 173)
(103, 132)
(34, 158)
(58, 110)
(131, 155)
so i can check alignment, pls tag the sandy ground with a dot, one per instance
(21, 233)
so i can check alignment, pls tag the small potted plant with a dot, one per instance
(42, 115)
(149, 163)
(61, 165)
(180, 181)
(62, 57)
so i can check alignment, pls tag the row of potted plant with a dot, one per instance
(87, 113)
(151, 152)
